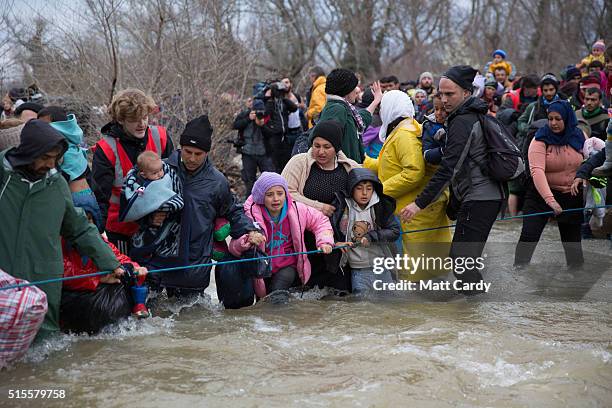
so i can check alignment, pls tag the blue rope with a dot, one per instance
(510, 218)
(234, 261)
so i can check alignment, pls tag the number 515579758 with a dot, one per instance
(34, 394)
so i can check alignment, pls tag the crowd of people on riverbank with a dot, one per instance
(346, 174)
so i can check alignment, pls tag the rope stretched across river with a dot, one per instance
(538, 214)
(234, 261)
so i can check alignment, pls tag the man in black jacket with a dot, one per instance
(276, 128)
(206, 196)
(479, 198)
(254, 155)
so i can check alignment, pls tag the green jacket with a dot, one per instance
(33, 216)
(534, 111)
(352, 144)
(525, 119)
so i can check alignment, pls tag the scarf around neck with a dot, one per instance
(356, 116)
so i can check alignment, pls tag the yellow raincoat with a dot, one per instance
(404, 173)
(317, 100)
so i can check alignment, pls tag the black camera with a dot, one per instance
(278, 89)
(238, 143)
(259, 107)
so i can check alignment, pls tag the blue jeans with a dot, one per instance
(363, 279)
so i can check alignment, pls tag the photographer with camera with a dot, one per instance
(297, 120)
(249, 124)
(278, 106)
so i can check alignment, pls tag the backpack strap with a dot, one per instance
(483, 167)
(465, 154)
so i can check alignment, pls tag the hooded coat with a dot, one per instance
(34, 214)
(301, 218)
(317, 100)
(404, 173)
(75, 158)
(386, 229)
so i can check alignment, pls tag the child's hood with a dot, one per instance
(357, 175)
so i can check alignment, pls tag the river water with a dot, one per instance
(540, 338)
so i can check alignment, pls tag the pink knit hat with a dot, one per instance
(599, 45)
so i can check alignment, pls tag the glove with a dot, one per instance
(440, 135)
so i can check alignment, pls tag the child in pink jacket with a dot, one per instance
(283, 222)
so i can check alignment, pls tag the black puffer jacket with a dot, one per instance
(460, 165)
(206, 196)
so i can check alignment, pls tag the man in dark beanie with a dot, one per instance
(476, 198)
(342, 92)
(36, 209)
(198, 133)
(207, 196)
(341, 82)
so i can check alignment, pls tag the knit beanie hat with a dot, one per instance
(491, 83)
(330, 130)
(340, 82)
(425, 74)
(550, 79)
(420, 91)
(198, 133)
(462, 75)
(599, 45)
(571, 72)
(501, 53)
(267, 180)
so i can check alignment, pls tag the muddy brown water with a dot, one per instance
(540, 338)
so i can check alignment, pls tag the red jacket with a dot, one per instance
(73, 266)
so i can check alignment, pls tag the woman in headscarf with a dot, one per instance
(404, 173)
(342, 92)
(555, 154)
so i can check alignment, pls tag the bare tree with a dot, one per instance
(201, 56)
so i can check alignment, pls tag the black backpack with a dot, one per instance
(302, 143)
(533, 129)
(504, 159)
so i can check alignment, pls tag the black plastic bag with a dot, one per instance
(233, 289)
(260, 267)
(89, 312)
